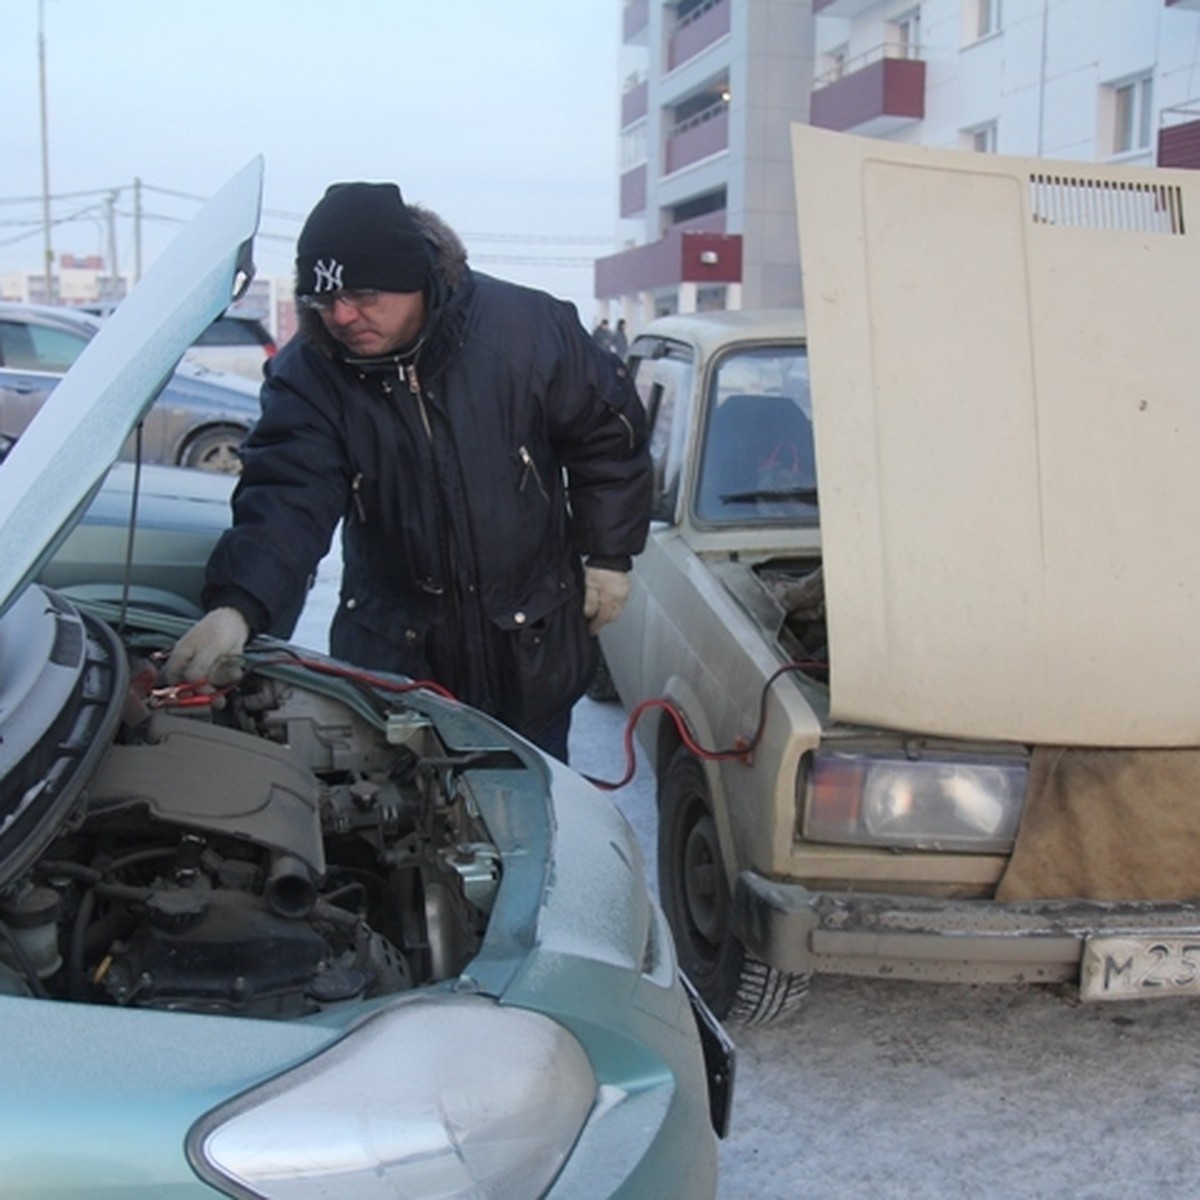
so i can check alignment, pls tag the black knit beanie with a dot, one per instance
(361, 235)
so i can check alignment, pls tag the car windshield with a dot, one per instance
(757, 463)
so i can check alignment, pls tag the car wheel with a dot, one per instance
(215, 450)
(601, 688)
(697, 902)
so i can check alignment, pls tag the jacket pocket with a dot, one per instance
(547, 659)
(376, 635)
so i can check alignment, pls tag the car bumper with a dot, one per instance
(799, 930)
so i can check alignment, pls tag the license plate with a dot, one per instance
(720, 1059)
(1140, 968)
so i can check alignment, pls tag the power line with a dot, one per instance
(528, 247)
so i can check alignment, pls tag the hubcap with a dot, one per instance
(703, 887)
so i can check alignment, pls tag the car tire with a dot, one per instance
(696, 899)
(216, 449)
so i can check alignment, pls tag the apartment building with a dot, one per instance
(711, 87)
(1085, 80)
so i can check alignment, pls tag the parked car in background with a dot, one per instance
(235, 343)
(894, 726)
(179, 516)
(333, 933)
(200, 418)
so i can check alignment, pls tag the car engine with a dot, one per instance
(797, 592)
(269, 855)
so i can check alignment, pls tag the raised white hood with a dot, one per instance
(1005, 358)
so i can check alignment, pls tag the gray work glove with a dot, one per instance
(211, 651)
(605, 593)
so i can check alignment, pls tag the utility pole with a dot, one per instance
(49, 263)
(114, 290)
(137, 229)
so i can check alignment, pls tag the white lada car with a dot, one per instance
(918, 613)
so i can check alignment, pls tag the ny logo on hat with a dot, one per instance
(328, 275)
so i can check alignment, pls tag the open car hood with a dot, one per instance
(55, 468)
(1005, 367)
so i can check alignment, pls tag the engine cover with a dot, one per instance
(192, 773)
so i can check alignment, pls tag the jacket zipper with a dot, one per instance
(530, 467)
(408, 374)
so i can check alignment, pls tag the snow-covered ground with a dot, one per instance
(881, 1089)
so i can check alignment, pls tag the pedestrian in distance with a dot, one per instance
(486, 459)
(620, 341)
(602, 335)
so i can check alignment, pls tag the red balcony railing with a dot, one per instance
(1179, 136)
(679, 256)
(635, 19)
(697, 31)
(634, 103)
(699, 136)
(633, 191)
(873, 93)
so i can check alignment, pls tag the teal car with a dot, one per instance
(331, 934)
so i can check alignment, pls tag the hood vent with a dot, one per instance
(1105, 204)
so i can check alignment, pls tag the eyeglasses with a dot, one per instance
(356, 298)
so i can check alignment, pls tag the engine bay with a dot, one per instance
(269, 855)
(798, 588)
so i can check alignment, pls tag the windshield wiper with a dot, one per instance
(808, 494)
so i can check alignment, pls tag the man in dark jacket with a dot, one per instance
(487, 460)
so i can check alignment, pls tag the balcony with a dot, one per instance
(633, 191)
(634, 103)
(1179, 136)
(872, 94)
(681, 255)
(701, 135)
(706, 23)
(842, 8)
(635, 20)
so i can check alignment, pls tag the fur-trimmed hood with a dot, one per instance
(450, 270)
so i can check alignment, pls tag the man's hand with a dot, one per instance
(605, 593)
(211, 651)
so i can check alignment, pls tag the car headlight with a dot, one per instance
(447, 1096)
(969, 804)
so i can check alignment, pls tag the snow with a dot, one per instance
(882, 1088)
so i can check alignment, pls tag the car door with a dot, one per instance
(663, 372)
(33, 358)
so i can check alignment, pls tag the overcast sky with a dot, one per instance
(499, 114)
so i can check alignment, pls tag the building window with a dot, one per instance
(983, 17)
(1132, 106)
(982, 139)
(904, 34)
(698, 206)
(633, 146)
